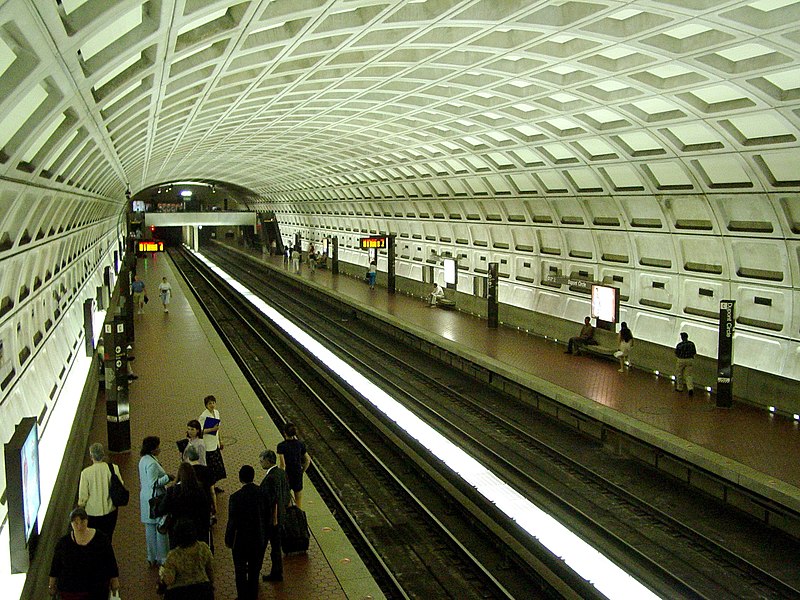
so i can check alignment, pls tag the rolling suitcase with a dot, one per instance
(295, 535)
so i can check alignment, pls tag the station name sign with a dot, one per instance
(368, 243)
(150, 246)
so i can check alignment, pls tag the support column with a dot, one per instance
(392, 277)
(725, 354)
(492, 295)
(335, 255)
(117, 404)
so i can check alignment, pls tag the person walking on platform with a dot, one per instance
(294, 459)
(625, 342)
(372, 274)
(685, 352)
(151, 477)
(275, 493)
(93, 494)
(138, 289)
(585, 338)
(297, 254)
(84, 566)
(165, 292)
(245, 534)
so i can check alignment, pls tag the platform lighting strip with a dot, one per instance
(585, 560)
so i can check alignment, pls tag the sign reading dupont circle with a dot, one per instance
(725, 354)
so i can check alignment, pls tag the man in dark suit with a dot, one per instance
(275, 494)
(246, 534)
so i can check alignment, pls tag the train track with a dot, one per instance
(537, 458)
(398, 515)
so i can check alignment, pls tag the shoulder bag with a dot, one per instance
(116, 491)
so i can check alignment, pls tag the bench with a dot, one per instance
(446, 303)
(605, 347)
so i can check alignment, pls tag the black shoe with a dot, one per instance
(691, 392)
(132, 377)
(272, 577)
(567, 352)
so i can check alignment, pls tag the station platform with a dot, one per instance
(744, 445)
(180, 359)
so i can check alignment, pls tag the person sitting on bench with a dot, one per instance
(585, 338)
(436, 295)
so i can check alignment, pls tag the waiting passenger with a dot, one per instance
(436, 295)
(210, 421)
(152, 478)
(93, 492)
(186, 500)
(585, 338)
(372, 274)
(685, 352)
(245, 534)
(297, 254)
(625, 341)
(294, 460)
(188, 572)
(194, 437)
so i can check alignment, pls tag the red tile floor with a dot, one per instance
(178, 363)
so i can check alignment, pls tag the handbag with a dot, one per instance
(155, 502)
(146, 299)
(116, 491)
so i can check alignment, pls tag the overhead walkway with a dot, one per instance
(686, 436)
(179, 360)
(193, 219)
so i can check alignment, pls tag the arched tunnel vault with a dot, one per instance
(653, 144)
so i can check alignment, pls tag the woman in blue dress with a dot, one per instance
(152, 475)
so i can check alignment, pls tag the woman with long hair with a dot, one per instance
(187, 500)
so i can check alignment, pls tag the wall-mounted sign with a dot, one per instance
(150, 246)
(368, 243)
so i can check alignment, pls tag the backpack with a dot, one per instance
(116, 491)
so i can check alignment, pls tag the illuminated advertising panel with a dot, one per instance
(605, 303)
(450, 271)
(22, 490)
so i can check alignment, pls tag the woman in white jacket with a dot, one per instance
(93, 493)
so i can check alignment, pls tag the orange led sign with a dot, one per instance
(368, 243)
(150, 246)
